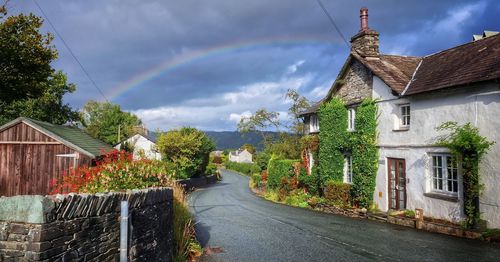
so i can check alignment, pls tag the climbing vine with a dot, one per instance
(364, 154)
(332, 140)
(336, 141)
(469, 146)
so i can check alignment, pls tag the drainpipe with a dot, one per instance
(123, 231)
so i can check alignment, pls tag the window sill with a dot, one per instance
(401, 129)
(441, 196)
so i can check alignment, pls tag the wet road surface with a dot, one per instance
(249, 228)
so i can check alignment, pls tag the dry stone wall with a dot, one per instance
(85, 227)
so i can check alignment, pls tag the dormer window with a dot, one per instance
(351, 116)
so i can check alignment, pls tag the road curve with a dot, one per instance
(249, 228)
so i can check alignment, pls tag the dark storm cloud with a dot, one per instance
(118, 39)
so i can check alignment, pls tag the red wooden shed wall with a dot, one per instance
(28, 161)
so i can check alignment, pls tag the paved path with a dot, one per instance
(249, 228)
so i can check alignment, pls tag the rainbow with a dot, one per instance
(197, 55)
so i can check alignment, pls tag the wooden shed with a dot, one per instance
(33, 153)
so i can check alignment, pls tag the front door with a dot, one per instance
(397, 183)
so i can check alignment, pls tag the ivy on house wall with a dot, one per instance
(470, 147)
(333, 140)
(336, 142)
(364, 154)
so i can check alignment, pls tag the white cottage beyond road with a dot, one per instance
(240, 156)
(414, 96)
(144, 145)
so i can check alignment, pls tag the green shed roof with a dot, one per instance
(71, 136)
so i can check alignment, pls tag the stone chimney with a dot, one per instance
(365, 42)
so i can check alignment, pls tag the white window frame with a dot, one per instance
(313, 124)
(404, 117)
(351, 119)
(348, 169)
(442, 181)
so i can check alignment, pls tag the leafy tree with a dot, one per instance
(103, 120)
(30, 87)
(299, 104)
(259, 121)
(188, 149)
(288, 144)
(249, 147)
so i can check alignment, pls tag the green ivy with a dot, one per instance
(335, 141)
(364, 154)
(333, 138)
(470, 147)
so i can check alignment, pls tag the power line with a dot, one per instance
(70, 51)
(332, 22)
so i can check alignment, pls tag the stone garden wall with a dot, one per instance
(86, 227)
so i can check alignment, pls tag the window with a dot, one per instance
(348, 169)
(444, 174)
(405, 115)
(313, 124)
(351, 116)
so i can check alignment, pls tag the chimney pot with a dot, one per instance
(363, 15)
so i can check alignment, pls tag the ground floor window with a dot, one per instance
(348, 169)
(444, 173)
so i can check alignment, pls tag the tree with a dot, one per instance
(288, 144)
(104, 120)
(299, 104)
(187, 149)
(249, 147)
(29, 85)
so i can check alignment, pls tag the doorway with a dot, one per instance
(397, 183)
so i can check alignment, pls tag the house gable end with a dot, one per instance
(355, 83)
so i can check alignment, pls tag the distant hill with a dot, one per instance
(234, 139)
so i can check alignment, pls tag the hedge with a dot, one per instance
(277, 169)
(244, 168)
(337, 193)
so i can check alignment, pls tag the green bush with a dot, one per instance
(262, 159)
(188, 149)
(311, 182)
(244, 168)
(256, 178)
(297, 198)
(211, 169)
(337, 193)
(277, 169)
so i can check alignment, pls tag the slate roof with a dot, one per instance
(395, 71)
(70, 136)
(469, 63)
(312, 109)
(465, 64)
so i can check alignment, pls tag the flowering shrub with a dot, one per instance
(115, 171)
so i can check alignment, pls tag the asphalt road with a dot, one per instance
(249, 228)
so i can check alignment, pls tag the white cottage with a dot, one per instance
(414, 96)
(240, 156)
(144, 145)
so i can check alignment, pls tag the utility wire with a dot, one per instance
(332, 22)
(71, 52)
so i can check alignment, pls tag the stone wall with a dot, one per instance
(86, 227)
(357, 84)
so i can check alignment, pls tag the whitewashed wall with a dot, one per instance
(139, 143)
(477, 105)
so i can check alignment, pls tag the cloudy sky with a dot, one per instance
(207, 63)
